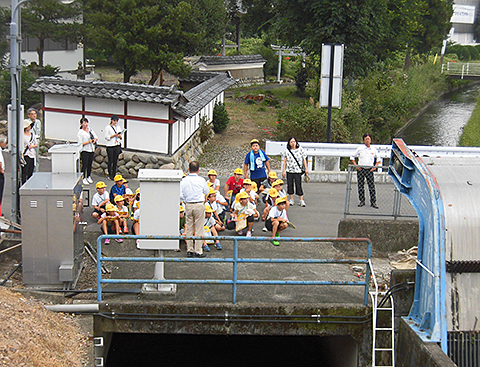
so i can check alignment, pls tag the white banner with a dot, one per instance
(463, 14)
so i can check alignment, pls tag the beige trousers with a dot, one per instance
(195, 218)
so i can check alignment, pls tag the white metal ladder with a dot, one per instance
(388, 313)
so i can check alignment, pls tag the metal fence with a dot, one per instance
(464, 348)
(369, 193)
(235, 261)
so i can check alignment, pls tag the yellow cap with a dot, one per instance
(242, 195)
(273, 193)
(182, 209)
(208, 209)
(137, 191)
(212, 172)
(118, 178)
(184, 174)
(254, 186)
(280, 200)
(118, 198)
(212, 191)
(238, 171)
(272, 174)
(138, 204)
(247, 181)
(277, 182)
(100, 184)
(110, 208)
(254, 141)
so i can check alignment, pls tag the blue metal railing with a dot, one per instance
(235, 260)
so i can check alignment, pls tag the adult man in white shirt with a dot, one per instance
(113, 136)
(193, 190)
(367, 155)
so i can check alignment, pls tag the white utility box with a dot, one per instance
(159, 205)
(65, 158)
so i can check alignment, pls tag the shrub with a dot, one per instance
(220, 117)
(205, 129)
(28, 98)
(301, 80)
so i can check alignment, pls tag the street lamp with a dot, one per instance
(16, 82)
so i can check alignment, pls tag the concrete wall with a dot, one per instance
(387, 236)
(412, 351)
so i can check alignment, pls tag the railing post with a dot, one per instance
(463, 70)
(347, 193)
(99, 269)
(235, 271)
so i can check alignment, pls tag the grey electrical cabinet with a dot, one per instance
(52, 229)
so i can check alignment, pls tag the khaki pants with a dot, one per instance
(195, 218)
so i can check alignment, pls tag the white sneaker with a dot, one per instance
(89, 179)
(85, 182)
(249, 234)
(291, 201)
(302, 203)
(265, 229)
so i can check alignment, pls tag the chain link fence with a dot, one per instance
(371, 192)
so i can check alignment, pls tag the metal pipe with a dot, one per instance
(75, 308)
(10, 248)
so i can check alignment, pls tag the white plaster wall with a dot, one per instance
(148, 136)
(97, 123)
(153, 110)
(62, 126)
(66, 59)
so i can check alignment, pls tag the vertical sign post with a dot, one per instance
(331, 80)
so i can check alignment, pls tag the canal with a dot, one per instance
(443, 121)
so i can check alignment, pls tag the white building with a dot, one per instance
(464, 19)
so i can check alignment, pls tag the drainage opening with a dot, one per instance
(237, 350)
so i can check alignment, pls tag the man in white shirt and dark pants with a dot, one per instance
(367, 155)
(193, 190)
(113, 136)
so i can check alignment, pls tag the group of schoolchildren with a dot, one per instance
(113, 210)
(237, 210)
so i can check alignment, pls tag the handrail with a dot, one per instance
(235, 260)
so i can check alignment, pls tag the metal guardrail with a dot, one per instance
(462, 69)
(235, 260)
(388, 198)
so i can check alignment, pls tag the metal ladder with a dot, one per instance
(389, 312)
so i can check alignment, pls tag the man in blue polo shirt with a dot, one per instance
(255, 163)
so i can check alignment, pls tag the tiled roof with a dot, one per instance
(199, 76)
(237, 59)
(199, 96)
(108, 90)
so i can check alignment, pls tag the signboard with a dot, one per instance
(464, 14)
(336, 73)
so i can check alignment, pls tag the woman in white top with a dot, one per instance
(87, 138)
(29, 145)
(113, 136)
(294, 166)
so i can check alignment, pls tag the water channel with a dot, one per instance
(443, 121)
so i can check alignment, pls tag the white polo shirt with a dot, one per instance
(366, 155)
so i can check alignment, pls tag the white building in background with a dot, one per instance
(66, 55)
(464, 21)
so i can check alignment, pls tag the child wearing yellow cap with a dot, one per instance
(110, 222)
(233, 186)
(212, 177)
(122, 211)
(277, 218)
(118, 189)
(182, 226)
(272, 195)
(243, 216)
(278, 185)
(100, 199)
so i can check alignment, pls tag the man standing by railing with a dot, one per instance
(367, 158)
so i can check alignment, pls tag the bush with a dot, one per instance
(301, 80)
(28, 98)
(307, 123)
(220, 117)
(205, 129)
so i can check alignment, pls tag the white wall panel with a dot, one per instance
(148, 136)
(153, 110)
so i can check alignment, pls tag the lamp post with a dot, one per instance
(15, 38)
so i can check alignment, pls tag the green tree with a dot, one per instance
(4, 19)
(50, 19)
(153, 34)
(359, 24)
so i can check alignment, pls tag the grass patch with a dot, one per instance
(471, 131)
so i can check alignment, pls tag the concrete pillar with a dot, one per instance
(327, 163)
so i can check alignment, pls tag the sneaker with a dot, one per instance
(361, 204)
(190, 254)
(176, 250)
(125, 230)
(374, 205)
(119, 240)
(107, 241)
(196, 254)
(249, 234)
(277, 235)
(89, 179)
(265, 229)
(85, 181)
(275, 243)
(138, 244)
(120, 231)
(218, 246)
(302, 203)
(206, 248)
(291, 201)
(240, 232)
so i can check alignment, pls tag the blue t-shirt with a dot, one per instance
(116, 190)
(259, 171)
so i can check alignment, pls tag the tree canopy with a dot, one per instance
(154, 34)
